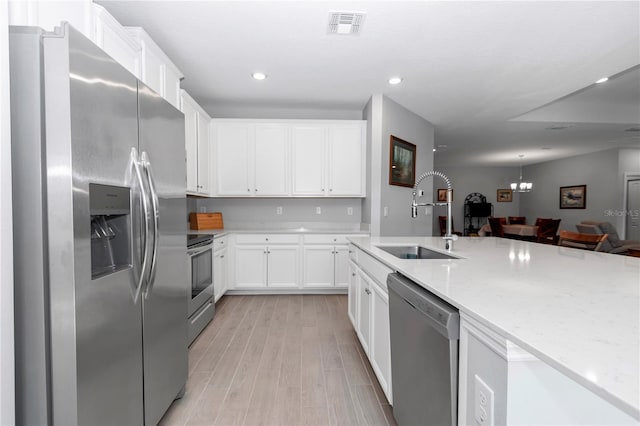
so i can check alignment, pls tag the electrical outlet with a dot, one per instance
(385, 211)
(318, 210)
(203, 209)
(350, 211)
(483, 403)
(420, 192)
(279, 210)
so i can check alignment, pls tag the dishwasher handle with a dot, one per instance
(442, 317)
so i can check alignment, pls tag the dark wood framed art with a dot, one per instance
(573, 197)
(402, 162)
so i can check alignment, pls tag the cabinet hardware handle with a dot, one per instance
(221, 242)
(353, 274)
(256, 189)
(366, 290)
(330, 189)
(248, 190)
(322, 189)
(222, 257)
(268, 252)
(266, 239)
(350, 251)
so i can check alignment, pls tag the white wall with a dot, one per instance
(598, 170)
(7, 404)
(404, 124)
(296, 212)
(373, 114)
(485, 180)
(628, 162)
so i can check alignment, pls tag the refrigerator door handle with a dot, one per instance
(156, 213)
(145, 213)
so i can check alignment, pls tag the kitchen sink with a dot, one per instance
(415, 252)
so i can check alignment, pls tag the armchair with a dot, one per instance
(613, 244)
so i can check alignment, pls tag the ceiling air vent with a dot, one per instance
(560, 126)
(633, 129)
(345, 23)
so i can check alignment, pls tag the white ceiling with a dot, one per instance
(491, 76)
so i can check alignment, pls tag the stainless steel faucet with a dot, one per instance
(449, 237)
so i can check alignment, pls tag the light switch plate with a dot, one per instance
(279, 210)
(350, 211)
(318, 210)
(482, 403)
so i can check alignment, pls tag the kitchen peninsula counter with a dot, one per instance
(578, 311)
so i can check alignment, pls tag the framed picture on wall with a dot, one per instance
(402, 162)
(573, 197)
(442, 195)
(504, 196)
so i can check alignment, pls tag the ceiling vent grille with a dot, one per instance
(345, 23)
(560, 126)
(633, 129)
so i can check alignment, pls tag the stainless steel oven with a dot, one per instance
(201, 305)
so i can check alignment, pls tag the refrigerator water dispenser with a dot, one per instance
(110, 207)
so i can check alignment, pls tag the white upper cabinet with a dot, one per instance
(156, 69)
(232, 158)
(299, 158)
(346, 160)
(271, 159)
(197, 141)
(116, 41)
(130, 47)
(309, 159)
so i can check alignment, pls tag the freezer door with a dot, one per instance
(96, 327)
(164, 300)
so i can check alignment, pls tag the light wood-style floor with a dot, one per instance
(280, 360)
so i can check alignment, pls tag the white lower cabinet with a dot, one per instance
(266, 261)
(380, 342)
(326, 261)
(219, 273)
(364, 311)
(368, 306)
(352, 295)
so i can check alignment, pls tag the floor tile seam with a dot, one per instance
(376, 400)
(192, 405)
(253, 387)
(221, 326)
(244, 350)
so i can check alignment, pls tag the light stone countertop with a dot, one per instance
(576, 310)
(217, 233)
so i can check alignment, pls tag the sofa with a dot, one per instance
(613, 244)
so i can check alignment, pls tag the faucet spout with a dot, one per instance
(449, 237)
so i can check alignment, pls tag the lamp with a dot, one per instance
(521, 186)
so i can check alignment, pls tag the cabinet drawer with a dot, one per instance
(219, 243)
(331, 239)
(266, 239)
(375, 269)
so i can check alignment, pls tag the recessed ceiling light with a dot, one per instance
(602, 80)
(259, 75)
(545, 148)
(434, 150)
(395, 80)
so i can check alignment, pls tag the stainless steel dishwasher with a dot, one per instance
(424, 355)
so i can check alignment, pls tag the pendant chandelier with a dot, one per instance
(521, 185)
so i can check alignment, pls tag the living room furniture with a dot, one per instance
(442, 221)
(547, 230)
(517, 220)
(613, 244)
(591, 242)
(496, 226)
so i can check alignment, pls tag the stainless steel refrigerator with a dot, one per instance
(101, 287)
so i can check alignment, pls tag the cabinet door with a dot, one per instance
(250, 266)
(318, 266)
(203, 153)
(346, 159)
(341, 266)
(191, 142)
(232, 141)
(116, 42)
(219, 273)
(282, 266)
(380, 343)
(271, 154)
(352, 295)
(309, 160)
(364, 310)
